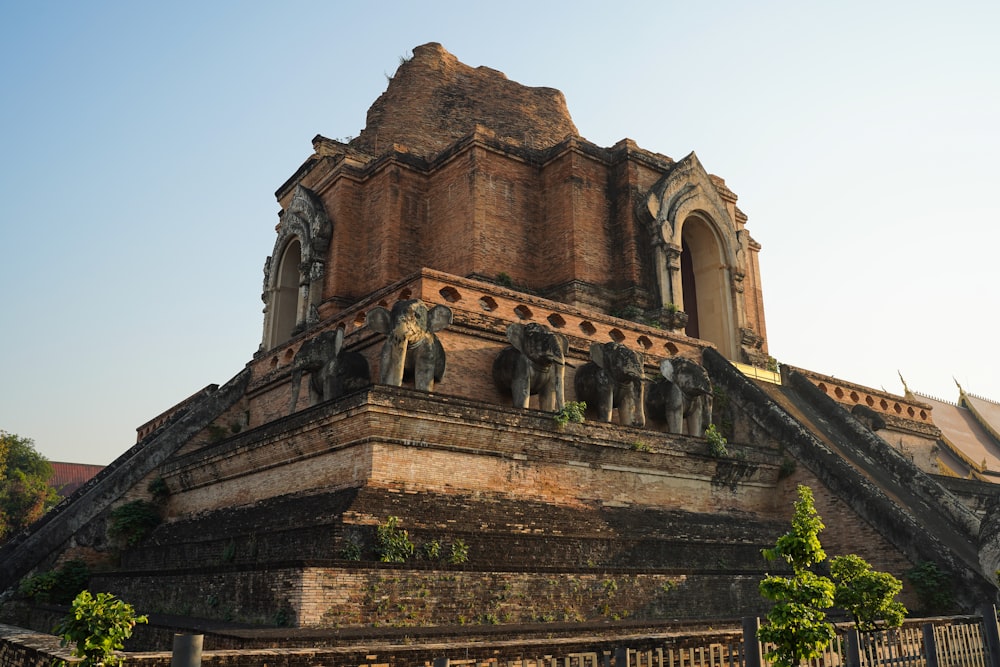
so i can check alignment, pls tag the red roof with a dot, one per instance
(68, 477)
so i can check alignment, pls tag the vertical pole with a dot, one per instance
(187, 651)
(853, 648)
(930, 647)
(751, 644)
(991, 634)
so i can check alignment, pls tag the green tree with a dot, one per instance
(25, 494)
(96, 627)
(867, 595)
(796, 626)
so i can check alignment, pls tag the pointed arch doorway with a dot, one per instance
(705, 285)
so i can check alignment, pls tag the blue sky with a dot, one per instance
(141, 144)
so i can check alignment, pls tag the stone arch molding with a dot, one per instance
(306, 223)
(687, 193)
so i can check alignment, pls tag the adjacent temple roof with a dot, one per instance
(969, 431)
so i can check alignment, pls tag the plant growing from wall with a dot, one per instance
(392, 543)
(132, 522)
(716, 443)
(58, 586)
(867, 595)
(96, 627)
(350, 549)
(459, 553)
(933, 588)
(573, 412)
(431, 550)
(796, 626)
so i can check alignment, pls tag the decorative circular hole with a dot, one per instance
(384, 303)
(838, 392)
(523, 312)
(822, 388)
(616, 335)
(588, 328)
(870, 401)
(909, 411)
(404, 295)
(854, 396)
(450, 294)
(884, 404)
(359, 319)
(556, 320)
(645, 342)
(671, 348)
(487, 303)
(897, 408)
(289, 353)
(923, 414)
(274, 362)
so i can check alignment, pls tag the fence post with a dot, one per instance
(991, 634)
(621, 657)
(930, 646)
(853, 648)
(751, 644)
(187, 651)
(442, 662)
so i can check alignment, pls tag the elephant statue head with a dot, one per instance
(533, 364)
(682, 397)
(332, 372)
(613, 378)
(410, 345)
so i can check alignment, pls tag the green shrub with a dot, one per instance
(459, 553)
(97, 626)
(573, 411)
(351, 548)
(933, 587)
(132, 522)
(57, 586)
(431, 550)
(716, 442)
(392, 542)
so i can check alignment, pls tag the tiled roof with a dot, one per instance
(966, 438)
(68, 477)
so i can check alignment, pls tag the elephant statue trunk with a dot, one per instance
(613, 378)
(411, 347)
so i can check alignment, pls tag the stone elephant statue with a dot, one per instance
(534, 364)
(682, 397)
(411, 348)
(613, 378)
(332, 372)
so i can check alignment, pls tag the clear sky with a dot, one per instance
(141, 144)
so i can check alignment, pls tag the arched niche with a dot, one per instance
(699, 255)
(286, 296)
(705, 284)
(293, 282)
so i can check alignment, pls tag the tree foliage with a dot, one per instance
(867, 595)
(25, 494)
(96, 627)
(796, 626)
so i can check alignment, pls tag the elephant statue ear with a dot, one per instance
(515, 334)
(667, 369)
(438, 318)
(378, 320)
(597, 354)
